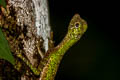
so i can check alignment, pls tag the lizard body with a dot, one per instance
(52, 59)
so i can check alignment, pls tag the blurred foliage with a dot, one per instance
(3, 3)
(5, 50)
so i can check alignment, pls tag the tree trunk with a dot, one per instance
(27, 29)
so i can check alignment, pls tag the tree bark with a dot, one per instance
(27, 29)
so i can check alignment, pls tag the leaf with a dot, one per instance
(3, 3)
(5, 52)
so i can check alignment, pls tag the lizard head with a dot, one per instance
(77, 27)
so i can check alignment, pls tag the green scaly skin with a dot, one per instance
(49, 65)
(34, 70)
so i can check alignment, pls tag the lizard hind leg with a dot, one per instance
(40, 48)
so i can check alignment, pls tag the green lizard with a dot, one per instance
(49, 64)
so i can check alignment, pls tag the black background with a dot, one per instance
(96, 55)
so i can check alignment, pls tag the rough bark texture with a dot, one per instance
(26, 27)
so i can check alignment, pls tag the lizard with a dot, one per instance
(50, 63)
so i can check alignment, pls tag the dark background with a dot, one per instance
(96, 55)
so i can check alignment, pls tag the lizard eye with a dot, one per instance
(77, 25)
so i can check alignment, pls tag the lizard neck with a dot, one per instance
(65, 44)
(52, 60)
